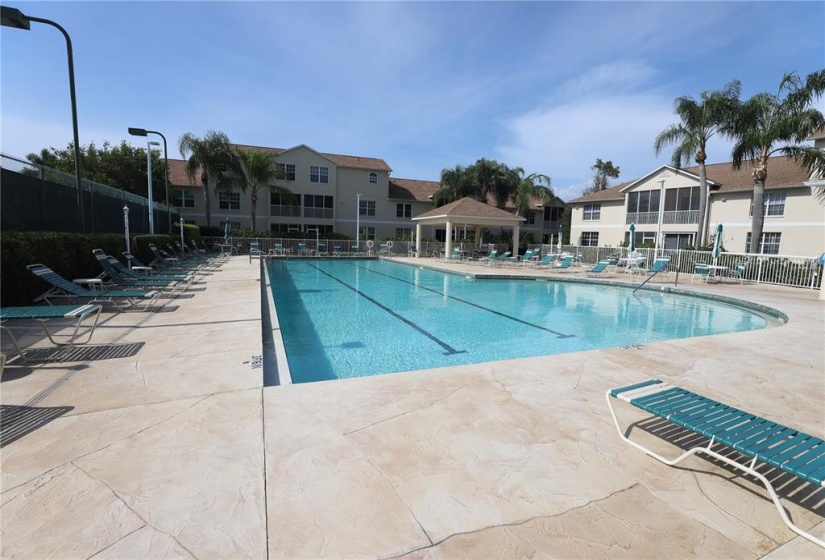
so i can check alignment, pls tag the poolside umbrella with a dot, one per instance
(717, 243)
(561, 230)
(632, 246)
(226, 230)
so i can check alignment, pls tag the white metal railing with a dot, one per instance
(794, 271)
(668, 217)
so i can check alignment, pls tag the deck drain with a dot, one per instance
(257, 362)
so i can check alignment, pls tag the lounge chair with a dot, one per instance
(491, 256)
(140, 270)
(525, 258)
(598, 270)
(254, 250)
(336, 251)
(303, 249)
(321, 249)
(564, 264)
(116, 279)
(44, 313)
(729, 429)
(66, 290)
(355, 250)
(659, 265)
(546, 261)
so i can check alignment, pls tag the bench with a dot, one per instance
(761, 440)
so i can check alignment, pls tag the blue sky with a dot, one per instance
(548, 86)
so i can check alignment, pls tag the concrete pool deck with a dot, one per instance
(160, 441)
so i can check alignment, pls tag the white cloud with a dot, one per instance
(565, 140)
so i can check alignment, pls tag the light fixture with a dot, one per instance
(144, 132)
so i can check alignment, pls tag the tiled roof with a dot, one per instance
(783, 172)
(177, 174)
(410, 189)
(470, 208)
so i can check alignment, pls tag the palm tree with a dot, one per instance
(260, 169)
(213, 157)
(535, 185)
(700, 121)
(454, 185)
(767, 124)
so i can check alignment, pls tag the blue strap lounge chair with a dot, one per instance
(66, 290)
(546, 261)
(116, 279)
(565, 263)
(140, 270)
(598, 270)
(791, 451)
(44, 313)
(336, 251)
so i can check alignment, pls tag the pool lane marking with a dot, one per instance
(450, 350)
(493, 311)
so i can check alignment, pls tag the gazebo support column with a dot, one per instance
(418, 240)
(448, 240)
(516, 229)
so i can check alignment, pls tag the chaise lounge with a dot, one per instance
(728, 428)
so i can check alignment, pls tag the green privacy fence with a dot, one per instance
(39, 198)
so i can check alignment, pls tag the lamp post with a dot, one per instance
(144, 132)
(126, 230)
(661, 213)
(358, 221)
(12, 17)
(149, 174)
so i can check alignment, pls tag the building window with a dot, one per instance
(643, 201)
(183, 199)
(367, 208)
(367, 232)
(675, 241)
(318, 206)
(373, 178)
(403, 232)
(769, 244)
(318, 174)
(403, 210)
(590, 238)
(640, 237)
(772, 203)
(592, 212)
(323, 229)
(681, 200)
(553, 213)
(531, 218)
(229, 200)
(287, 171)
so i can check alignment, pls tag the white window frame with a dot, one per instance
(229, 200)
(403, 232)
(590, 239)
(592, 212)
(368, 232)
(373, 178)
(403, 210)
(770, 239)
(773, 205)
(367, 208)
(185, 197)
(318, 174)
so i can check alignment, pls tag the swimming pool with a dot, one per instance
(351, 318)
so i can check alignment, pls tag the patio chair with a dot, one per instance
(321, 249)
(303, 249)
(44, 313)
(336, 251)
(700, 271)
(355, 250)
(730, 430)
(66, 290)
(254, 250)
(739, 273)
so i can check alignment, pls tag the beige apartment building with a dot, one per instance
(794, 216)
(332, 193)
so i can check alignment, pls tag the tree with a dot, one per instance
(122, 166)
(535, 185)
(211, 157)
(454, 185)
(603, 172)
(260, 169)
(700, 121)
(767, 124)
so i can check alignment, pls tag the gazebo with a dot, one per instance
(467, 212)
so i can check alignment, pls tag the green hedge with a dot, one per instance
(68, 254)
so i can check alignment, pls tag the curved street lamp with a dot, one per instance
(144, 132)
(12, 17)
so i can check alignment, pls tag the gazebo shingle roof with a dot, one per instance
(470, 208)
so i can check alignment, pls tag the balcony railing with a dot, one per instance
(668, 217)
(280, 210)
(323, 213)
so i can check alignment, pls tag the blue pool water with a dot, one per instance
(351, 318)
